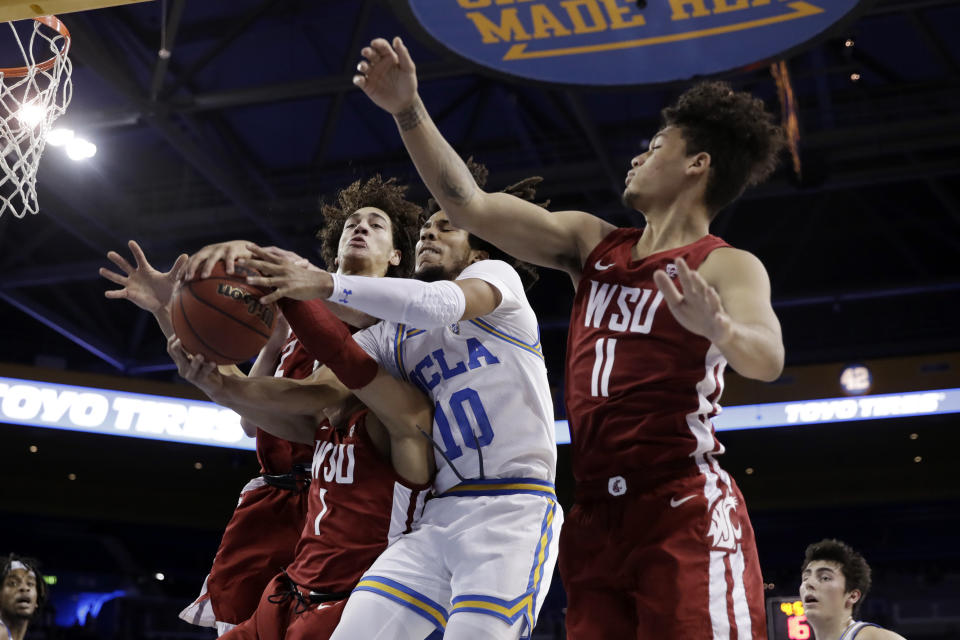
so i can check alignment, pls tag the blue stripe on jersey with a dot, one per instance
(502, 487)
(401, 334)
(534, 348)
(524, 605)
(397, 352)
(405, 596)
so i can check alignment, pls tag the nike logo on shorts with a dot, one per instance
(676, 503)
(601, 267)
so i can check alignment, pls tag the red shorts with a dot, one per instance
(280, 621)
(662, 563)
(260, 539)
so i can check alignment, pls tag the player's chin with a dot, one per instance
(631, 199)
(430, 273)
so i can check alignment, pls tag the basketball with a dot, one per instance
(221, 318)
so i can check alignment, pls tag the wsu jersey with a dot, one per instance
(488, 380)
(640, 389)
(277, 455)
(358, 505)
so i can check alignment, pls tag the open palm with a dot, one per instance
(142, 284)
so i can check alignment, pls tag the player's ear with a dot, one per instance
(852, 598)
(395, 257)
(698, 163)
(476, 255)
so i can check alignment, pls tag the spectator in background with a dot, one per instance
(22, 594)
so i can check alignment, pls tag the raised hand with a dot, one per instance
(195, 369)
(697, 307)
(142, 285)
(387, 75)
(202, 262)
(290, 280)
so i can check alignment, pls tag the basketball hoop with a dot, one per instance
(32, 96)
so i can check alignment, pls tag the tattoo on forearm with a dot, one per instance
(410, 118)
(454, 185)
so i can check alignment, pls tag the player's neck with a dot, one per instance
(670, 227)
(833, 628)
(360, 268)
(18, 628)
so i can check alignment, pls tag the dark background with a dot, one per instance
(254, 118)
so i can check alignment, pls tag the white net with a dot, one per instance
(32, 96)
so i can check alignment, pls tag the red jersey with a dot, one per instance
(277, 455)
(640, 389)
(358, 505)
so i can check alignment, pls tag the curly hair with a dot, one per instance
(526, 189)
(856, 571)
(34, 566)
(737, 132)
(387, 195)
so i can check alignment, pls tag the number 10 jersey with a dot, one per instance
(488, 381)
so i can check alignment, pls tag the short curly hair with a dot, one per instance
(856, 571)
(737, 132)
(387, 195)
(526, 189)
(32, 565)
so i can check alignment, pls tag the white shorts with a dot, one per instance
(485, 546)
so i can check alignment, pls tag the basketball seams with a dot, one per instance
(221, 311)
(186, 319)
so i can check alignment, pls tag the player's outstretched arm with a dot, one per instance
(406, 413)
(288, 409)
(264, 365)
(727, 301)
(143, 285)
(560, 240)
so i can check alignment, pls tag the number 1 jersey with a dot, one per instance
(488, 381)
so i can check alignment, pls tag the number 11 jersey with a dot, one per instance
(640, 389)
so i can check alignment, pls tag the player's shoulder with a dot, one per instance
(589, 229)
(496, 272)
(600, 235)
(877, 633)
(726, 262)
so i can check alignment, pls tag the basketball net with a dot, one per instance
(32, 96)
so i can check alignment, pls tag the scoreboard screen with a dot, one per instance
(786, 620)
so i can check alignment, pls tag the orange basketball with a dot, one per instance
(221, 317)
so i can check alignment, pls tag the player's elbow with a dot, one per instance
(771, 367)
(468, 211)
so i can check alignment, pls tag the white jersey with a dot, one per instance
(488, 380)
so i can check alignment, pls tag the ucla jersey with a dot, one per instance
(488, 381)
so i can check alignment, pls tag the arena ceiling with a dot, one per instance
(253, 118)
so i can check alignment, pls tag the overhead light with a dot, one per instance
(749, 471)
(30, 114)
(198, 465)
(849, 43)
(59, 136)
(159, 576)
(34, 448)
(854, 77)
(71, 476)
(917, 459)
(80, 149)
(914, 436)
